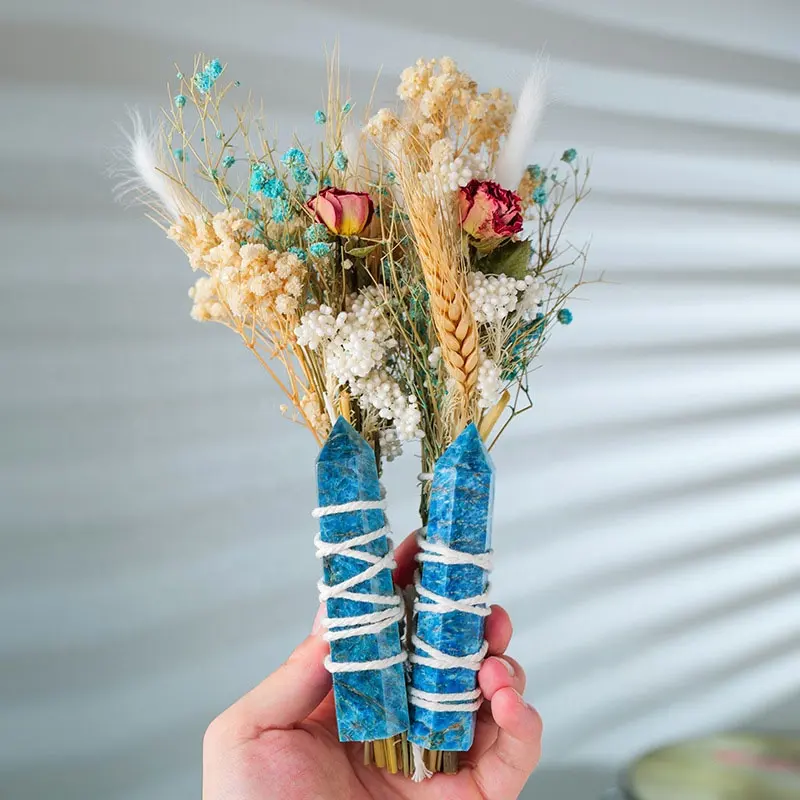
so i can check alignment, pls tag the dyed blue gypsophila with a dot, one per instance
(219, 134)
(179, 76)
(299, 252)
(564, 316)
(340, 160)
(320, 117)
(237, 83)
(316, 232)
(540, 195)
(293, 158)
(281, 210)
(326, 181)
(320, 249)
(569, 155)
(261, 180)
(302, 177)
(535, 171)
(273, 188)
(180, 154)
(180, 100)
(347, 107)
(205, 79)
(228, 161)
(391, 177)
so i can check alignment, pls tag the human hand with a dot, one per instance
(280, 739)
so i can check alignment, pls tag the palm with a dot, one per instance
(309, 761)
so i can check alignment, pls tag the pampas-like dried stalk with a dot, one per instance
(434, 225)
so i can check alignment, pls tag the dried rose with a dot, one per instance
(343, 213)
(489, 213)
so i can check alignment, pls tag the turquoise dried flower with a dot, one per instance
(320, 117)
(302, 176)
(180, 100)
(340, 160)
(540, 195)
(299, 252)
(207, 77)
(316, 232)
(347, 107)
(228, 162)
(320, 249)
(564, 316)
(569, 155)
(294, 158)
(180, 154)
(281, 210)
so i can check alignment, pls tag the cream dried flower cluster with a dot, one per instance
(446, 101)
(245, 281)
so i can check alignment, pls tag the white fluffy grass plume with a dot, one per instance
(515, 153)
(143, 172)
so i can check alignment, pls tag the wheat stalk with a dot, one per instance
(434, 226)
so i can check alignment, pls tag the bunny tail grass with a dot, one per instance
(514, 153)
(144, 174)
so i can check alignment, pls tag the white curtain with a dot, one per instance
(156, 539)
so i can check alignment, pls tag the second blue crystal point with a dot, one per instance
(459, 517)
(370, 704)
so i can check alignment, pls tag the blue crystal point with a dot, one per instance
(459, 516)
(344, 442)
(370, 704)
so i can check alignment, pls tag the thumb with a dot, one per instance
(287, 696)
(504, 768)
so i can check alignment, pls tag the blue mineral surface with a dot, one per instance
(370, 704)
(460, 517)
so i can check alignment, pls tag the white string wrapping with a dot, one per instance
(432, 603)
(359, 624)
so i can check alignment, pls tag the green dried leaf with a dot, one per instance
(510, 259)
(360, 252)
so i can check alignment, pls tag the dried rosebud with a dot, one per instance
(343, 213)
(489, 213)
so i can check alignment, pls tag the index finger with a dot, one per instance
(404, 555)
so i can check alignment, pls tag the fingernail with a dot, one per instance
(317, 626)
(507, 664)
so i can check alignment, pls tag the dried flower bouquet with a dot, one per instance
(397, 282)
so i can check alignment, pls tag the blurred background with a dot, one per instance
(157, 556)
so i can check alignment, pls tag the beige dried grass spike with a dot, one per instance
(436, 231)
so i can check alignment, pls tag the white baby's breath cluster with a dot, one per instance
(494, 297)
(357, 344)
(489, 383)
(451, 172)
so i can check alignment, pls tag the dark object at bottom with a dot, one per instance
(729, 766)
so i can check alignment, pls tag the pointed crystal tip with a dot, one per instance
(342, 442)
(468, 450)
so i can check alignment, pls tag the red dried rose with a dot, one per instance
(489, 213)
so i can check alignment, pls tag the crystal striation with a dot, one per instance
(370, 704)
(460, 517)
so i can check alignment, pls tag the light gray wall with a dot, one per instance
(156, 542)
